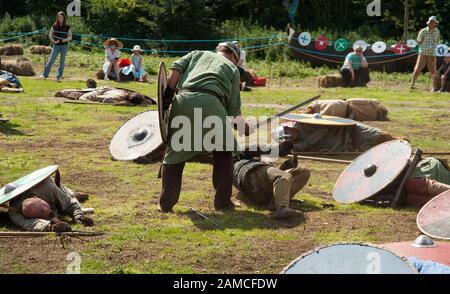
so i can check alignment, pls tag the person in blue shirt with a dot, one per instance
(355, 71)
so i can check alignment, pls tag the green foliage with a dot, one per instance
(17, 24)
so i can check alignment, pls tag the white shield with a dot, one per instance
(411, 43)
(304, 39)
(441, 50)
(379, 47)
(360, 43)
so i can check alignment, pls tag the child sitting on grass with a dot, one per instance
(136, 66)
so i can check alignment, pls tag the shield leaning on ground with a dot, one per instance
(349, 258)
(372, 171)
(16, 188)
(163, 114)
(139, 139)
(434, 218)
(439, 253)
(318, 119)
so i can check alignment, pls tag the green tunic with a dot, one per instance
(432, 168)
(336, 139)
(206, 71)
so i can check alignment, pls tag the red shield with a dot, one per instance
(401, 48)
(321, 43)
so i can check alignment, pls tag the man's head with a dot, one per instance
(432, 22)
(230, 51)
(90, 83)
(447, 58)
(36, 208)
(359, 50)
(136, 98)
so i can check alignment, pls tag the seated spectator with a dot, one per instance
(112, 55)
(443, 77)
(355, 71)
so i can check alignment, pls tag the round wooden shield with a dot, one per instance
(379, 47)
(163, 114)
(304, 39)
(351, 258)
(434, 218)
(372, 171)
(318, 119)
(321, 43)
(14, 189)
(361, 43)
(138, 138)
(439, 253)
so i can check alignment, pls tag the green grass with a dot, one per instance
(138, 239)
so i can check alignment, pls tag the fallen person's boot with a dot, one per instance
(81, 197)
(286, 213)
(59, 226)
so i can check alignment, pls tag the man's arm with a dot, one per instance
(420, 38)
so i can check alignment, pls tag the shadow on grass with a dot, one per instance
(8, 129)
(240, 219)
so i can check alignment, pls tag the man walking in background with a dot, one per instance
(428, 40)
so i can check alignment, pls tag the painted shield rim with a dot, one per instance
(423, 209)
(51, 170)
(163, 114)
(304, 255)
(117, 132)
(345, 122)
(361, 156)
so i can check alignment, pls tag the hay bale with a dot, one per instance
(330, 81)
(38, 49)
(11, 50)
(20, 67)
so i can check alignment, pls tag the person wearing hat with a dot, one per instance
(207, 86)
(60, 35)
(428, 40)
(443, 77)
(112, 55)
(136, 67)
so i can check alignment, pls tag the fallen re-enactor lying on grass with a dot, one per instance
(430, 178)
(269, 186)
(115, 96)
(38, 209)
(360, 109)
(307, 137)
(9, 83)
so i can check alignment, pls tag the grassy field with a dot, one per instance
(43, 130)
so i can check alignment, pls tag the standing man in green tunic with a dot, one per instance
(207, 86)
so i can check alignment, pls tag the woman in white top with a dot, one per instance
(112, 55)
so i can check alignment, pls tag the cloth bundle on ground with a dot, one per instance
(11, 50)
(116, 96)
(330, 81)
(39, 49)
(9, 83)
(21, 67)
(360, 109)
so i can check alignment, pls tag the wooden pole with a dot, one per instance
(359, 153)
(330, 160)
(42, 234)
(406, 20)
